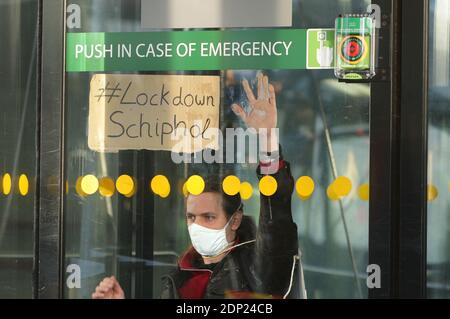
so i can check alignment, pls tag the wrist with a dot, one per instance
(268, 140)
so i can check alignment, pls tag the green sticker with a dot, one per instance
(320, 49)
(353, 76)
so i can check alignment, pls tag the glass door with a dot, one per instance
(128, 198)
(18, 146)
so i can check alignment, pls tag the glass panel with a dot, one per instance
(140, 237)
(18, 145)
(438, 252)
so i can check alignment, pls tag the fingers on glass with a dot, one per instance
(266, 87)
(263, 87)
(239, 111)
(272, 96)
(260, 86)
(248, 91)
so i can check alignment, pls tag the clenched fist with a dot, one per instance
(108, 288)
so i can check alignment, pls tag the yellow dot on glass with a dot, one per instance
(133, 192)
(6, 184)
(184, 190)
(304, 187)
(160, 186)
(342, 186)
(106, 187)
(195, 185)
(67, 187)
(166, 193)
(78, 187)
(125, 185)
(268, 185)
(364, 192)
(432, 193)
(89, 184)
(24, 185)
(246, 190)
(231, 185)
(331, 194)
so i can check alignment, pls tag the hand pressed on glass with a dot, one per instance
(263, 114)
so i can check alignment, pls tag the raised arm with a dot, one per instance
(276, 242)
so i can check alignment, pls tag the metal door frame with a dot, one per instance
(398, 126)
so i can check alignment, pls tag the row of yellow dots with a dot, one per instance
(159, 185)
(195, 185)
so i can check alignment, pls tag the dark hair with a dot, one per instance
(231, 204)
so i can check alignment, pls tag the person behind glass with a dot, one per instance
(229, 258)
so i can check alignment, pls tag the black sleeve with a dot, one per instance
(276, 240)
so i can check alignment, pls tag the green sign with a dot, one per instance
(320, 53)
(186, 50)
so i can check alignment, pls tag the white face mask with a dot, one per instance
(208, 242)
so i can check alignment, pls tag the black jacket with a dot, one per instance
(261, 267)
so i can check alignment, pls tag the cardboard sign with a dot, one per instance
(178, 113)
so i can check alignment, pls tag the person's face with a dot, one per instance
(206, 210)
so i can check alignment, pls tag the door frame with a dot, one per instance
(49, 238)
(398, 152)
(398, 171)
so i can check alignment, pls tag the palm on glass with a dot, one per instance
(263, 113)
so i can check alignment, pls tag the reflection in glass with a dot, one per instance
(18, 147)
(140, 239)
(438, 238)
